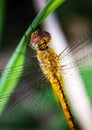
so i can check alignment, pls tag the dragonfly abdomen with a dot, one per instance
(49, 64)
(58, 89)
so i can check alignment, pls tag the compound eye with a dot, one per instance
(46, 36)
(35, 37)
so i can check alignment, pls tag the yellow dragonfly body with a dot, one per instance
(50, 66)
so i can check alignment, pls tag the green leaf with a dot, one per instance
(86, 73)
(6, 84)
(49, 8)
(11, 75)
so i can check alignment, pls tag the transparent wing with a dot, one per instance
(80, 49)
(33, 94)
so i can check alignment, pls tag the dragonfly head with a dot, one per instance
(39, 40)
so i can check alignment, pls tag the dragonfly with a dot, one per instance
(46, 68)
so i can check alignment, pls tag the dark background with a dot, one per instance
(19, 15)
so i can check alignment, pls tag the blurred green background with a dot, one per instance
(75, 18)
